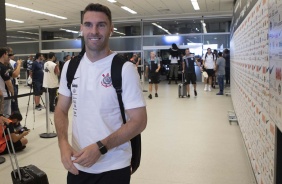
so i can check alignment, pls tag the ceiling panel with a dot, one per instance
(146, 9)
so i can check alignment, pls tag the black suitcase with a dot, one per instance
(24, 175)
(182, 91)
(30, 174)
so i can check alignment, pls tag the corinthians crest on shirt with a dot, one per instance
(107, 80)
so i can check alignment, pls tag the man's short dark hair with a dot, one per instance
(16, 116)
(65, 57)
(220, 54)
(98, 8)
(37, 55)
(51, 55)
(3, 50)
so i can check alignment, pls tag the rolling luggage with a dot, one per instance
(182, 91)
(24, 175)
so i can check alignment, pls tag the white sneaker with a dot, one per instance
(209, 88)
(206, 88)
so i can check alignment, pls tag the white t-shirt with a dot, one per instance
(50, 79)
(13, 63)
(209, 62)
(96, 112)
(173, 60)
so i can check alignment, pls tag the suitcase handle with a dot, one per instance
(183, 77)
(14, 153)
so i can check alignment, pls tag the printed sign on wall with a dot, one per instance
(250, 87)
(275, 58)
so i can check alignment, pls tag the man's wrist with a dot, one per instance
(102, 148)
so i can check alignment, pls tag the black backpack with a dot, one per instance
(25, 64)
(116, 69)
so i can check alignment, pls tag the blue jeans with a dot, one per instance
(220, 79)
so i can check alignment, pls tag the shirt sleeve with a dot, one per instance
(5, 73)
(132, 94)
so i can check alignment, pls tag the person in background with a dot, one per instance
(152, 71)
(101, 150)
(173, 67)
(37, 79)
(15, 82)
(29, 67)
(220, 71)
(18, 138)
(7, 73)
(215, 53)
(226, 56)
(209, 66)
(50, 79)
(188, 65)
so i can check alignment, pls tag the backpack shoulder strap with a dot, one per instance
(116, 70)
(73, 65)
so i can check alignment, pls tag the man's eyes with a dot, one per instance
(89, 25)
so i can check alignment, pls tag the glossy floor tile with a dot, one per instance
(187, 141)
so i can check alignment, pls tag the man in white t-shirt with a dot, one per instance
(101, 151)
(209, 65)
(50, 79)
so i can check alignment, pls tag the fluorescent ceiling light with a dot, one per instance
(28, 32)
(22, 37)
(34, 11)
(12, 20)
(115, 28)
(68, 30)
(128, 9)
(195, 4)
(172, 38)
(119, 32)
(161, 28)
(112, 1)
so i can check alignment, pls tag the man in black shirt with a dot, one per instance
(189, 70)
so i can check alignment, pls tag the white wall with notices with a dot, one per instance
(255, 81)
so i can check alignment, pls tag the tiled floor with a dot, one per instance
(187, 141)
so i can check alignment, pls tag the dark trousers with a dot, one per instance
(52, 95)
(173, 70)
(227, 75)
(120, 176)
(220, 79)
(14, 102)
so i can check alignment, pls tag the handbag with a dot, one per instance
(29, 80)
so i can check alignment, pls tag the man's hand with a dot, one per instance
(66, 153)
(87, 156)
(19, 62)
(25, 133)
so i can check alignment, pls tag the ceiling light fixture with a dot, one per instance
(112, 1)
(34, 11)
(129, 10)
(21, 37)
(161, 28)
(27, 32)
(204, 26)
(68, 30)
(195, 4)
(119, 33)
(12, 20)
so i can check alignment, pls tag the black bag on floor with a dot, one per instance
(24, 175)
